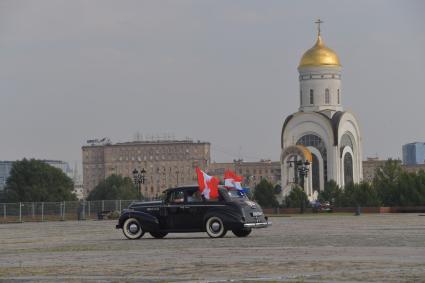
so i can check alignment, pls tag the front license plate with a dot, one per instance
(257, 213)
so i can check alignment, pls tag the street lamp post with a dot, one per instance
(302, 169)
(139, 179)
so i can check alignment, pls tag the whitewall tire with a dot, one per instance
(214, 227)
(132, 229)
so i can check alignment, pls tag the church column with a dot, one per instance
(334, 165)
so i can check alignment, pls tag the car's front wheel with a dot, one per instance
(158, 235)
(132, 229)
(215, 227)
(242, 232)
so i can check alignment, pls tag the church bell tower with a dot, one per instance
(320, 79)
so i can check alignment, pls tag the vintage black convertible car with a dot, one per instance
(184, 210)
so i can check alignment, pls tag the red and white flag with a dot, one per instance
(208, 185)
(231, 180)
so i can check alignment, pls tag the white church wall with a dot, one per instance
(349, 124)
(321, 170)
(318, 80)
(333, 164)
(307, 123)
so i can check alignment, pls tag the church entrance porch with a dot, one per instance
(296, 162)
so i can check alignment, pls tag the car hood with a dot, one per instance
(138, 204)
(248, 203)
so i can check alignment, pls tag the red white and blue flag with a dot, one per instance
(231, 180)
(208, 185)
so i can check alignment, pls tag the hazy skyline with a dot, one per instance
(217, 71)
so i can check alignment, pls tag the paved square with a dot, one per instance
(309, 248)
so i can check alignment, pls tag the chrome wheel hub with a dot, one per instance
(133, 228)
(215, 226)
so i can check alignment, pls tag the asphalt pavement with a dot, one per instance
(308, 248)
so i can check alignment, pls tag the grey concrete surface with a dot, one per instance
(310, 248)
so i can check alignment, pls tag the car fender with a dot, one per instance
(147, 221)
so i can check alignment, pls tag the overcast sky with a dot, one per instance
(217, 71)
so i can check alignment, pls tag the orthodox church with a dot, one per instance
(320, 142)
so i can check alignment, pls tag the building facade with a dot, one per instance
(62, 165)
(370, 165)
(167, 163)
(321, 137)
(414, 153)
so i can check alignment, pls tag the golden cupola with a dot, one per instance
(319, 56)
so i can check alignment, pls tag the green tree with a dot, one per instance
(420, 185)
(296, 198)
(411, 189)
(386, 182)
(332, 193)
(35, 181)
(264, 194)
(114, 187)
(362, 194)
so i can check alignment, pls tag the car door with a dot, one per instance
(195, 207)
(177, 213)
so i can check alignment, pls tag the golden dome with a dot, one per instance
(319, 55)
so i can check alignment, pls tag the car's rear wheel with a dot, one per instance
(158, 235)
(214, 227)
(132, 229)
(242, 232)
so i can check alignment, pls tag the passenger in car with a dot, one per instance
(177, 197)
(193, 196)
(178, 200)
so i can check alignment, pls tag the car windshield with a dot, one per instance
(236, 193)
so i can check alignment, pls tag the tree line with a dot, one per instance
(391, 186)
(35, 181)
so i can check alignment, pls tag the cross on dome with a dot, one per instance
(318, 22)
(319, 54)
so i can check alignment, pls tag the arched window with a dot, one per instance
(346, 141)
(316, 142)
(311, 96)
(315, 173)
(348, 169)
(338, 97)
(327, 99)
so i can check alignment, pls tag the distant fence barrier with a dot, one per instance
(86, 210)
(393, 209)
(59, 211)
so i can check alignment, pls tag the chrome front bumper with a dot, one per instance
(258, 224)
